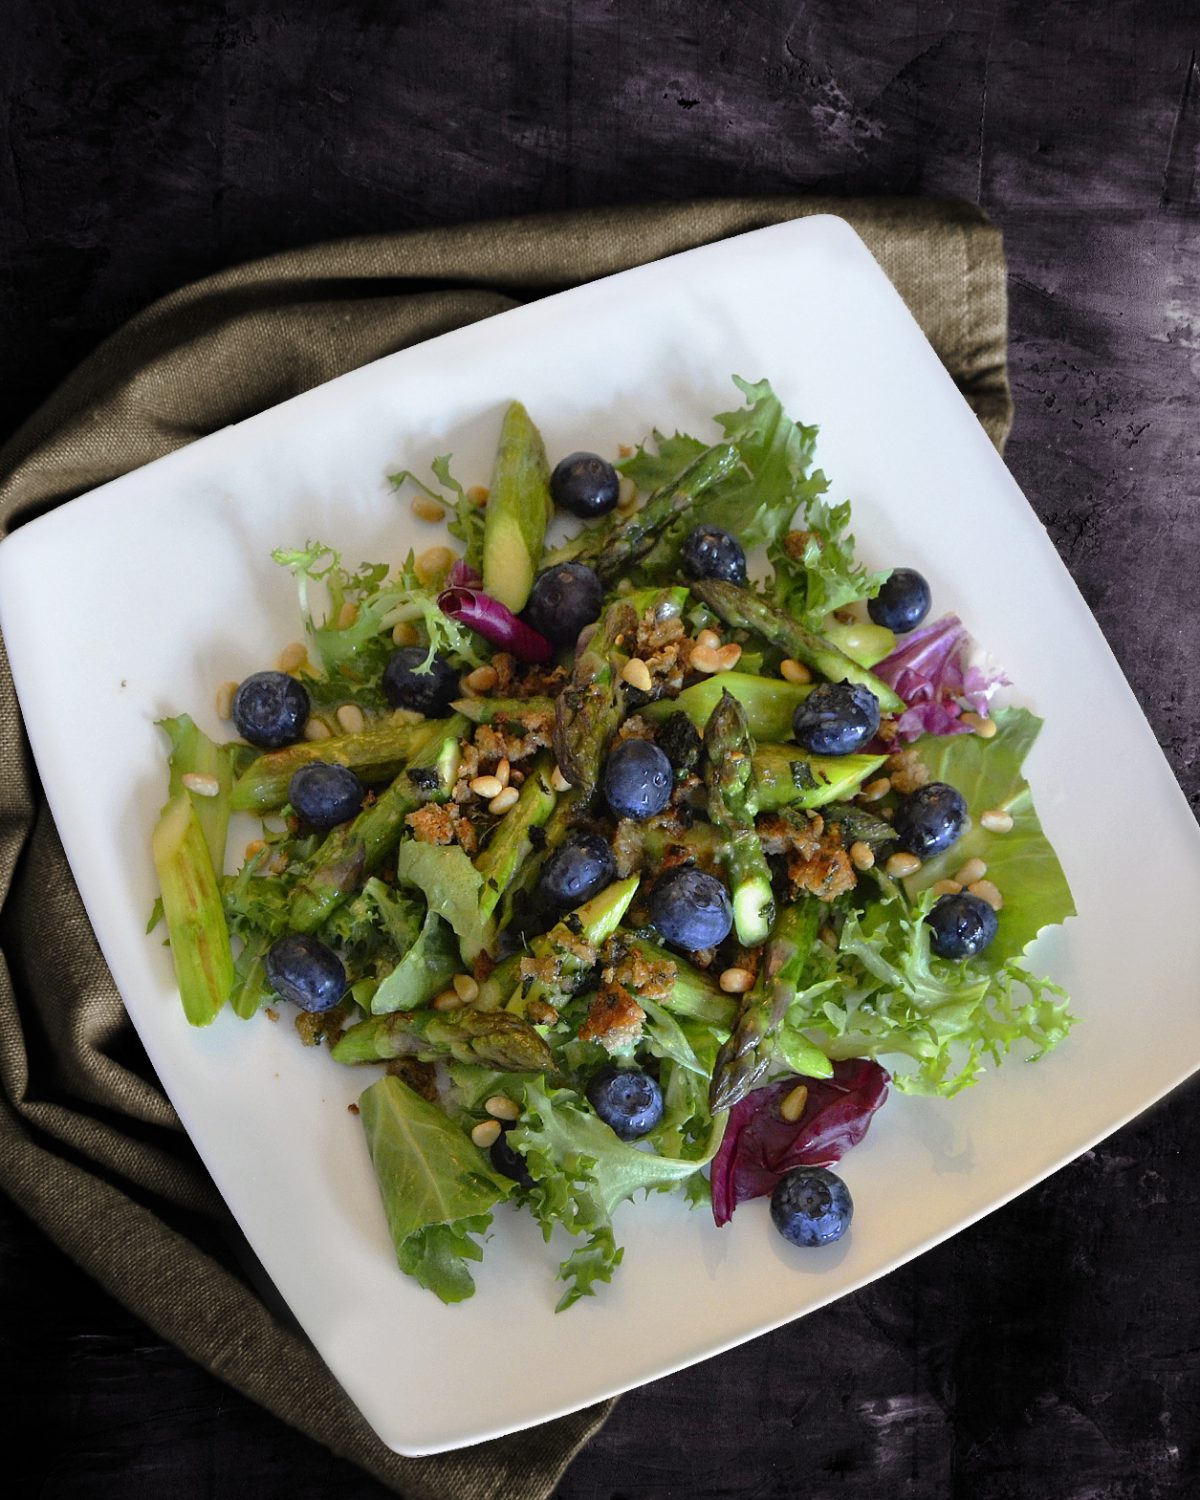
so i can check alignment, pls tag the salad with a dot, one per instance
(622, 870)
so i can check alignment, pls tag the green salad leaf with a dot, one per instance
(425, 969)
(469, 519)
(437, 1187)
(1020, 863)
(452, 887)
(824, 576)
(581, 1172)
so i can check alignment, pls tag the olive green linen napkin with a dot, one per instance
(89, 1146)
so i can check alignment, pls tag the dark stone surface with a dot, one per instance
(1054, 1349)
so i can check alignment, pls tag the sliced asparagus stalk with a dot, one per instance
(382, 748)
(191, 897)
(769, 703)
(518, 511)
(732, 805)
(790, 777)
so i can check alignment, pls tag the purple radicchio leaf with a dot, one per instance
(495, 622)
(760, 1146)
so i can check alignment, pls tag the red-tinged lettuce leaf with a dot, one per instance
(495, 622)
(760, 1146)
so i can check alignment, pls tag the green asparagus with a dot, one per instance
(510, 845)
(191, 898)
(508, 710)
(732, 805)
(570, 947)
(493, 1039)
(588, 710)
(744, 610)
(789, 777)
(518, 511)
(745, 1056)
(770, 703)
(381, 750)
(693, 993)
(355, 849)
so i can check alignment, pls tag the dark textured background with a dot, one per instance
(1054, 1349)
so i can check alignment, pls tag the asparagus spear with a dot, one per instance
(572, 944)
(693, 993)
(511, 710)
(744, 610)
(264, 783)
(191, 897)
(617, 543)
(510, 845)
(354, 850)
(494, 1039)
(518, 511)
(789, 777)
(193, 752)
(745, 1056)
(732, 804)
(588, 710)
(769, 702)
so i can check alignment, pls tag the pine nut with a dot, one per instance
(709, 639)
(503, 771)
(351, 719)
(466, 987)
(986, 891)
(316, 729)
(407, 716)
(501, 1107)
(558, 781)
(902, 864)
(447, 1000)
(202, 785)
(292, 657)
(255, 846)
(637, 674)
(985, 728)
(974, 869)
(486, 787)
(225, 696)
(996, 820)
(506, 799)
(486, 1133)
(432, 564)
(625, 450)
(728, 657)
(626, 493)
(793, 1103)
(347, 615)
(794, 671)
(516, 778)
(404, 633)
(478, 495)
(946, 887)
(861, 856)
(828, 937)
(428, 510)
(876, 789)
(736, 981)
(704, 659)
(482, 679)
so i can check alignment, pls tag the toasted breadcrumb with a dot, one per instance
(614, 1018)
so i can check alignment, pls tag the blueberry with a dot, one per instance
(637, 780)
(578, 870)
(903, 601)
(585, 484)
(627, 1099)
(303, 970)
(930, 820)
(836, 718)
(811, 1206)
(509, 1163)
(562, 601)
(325, 795)
(963, 925)
(691, 909)
(709, 552)
(430, 693)
(270, 709)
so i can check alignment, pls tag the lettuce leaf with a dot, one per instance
(437, 1187)
(425, 969)
(1021, 863)
(824, 576)
(581, 1172)
(468, 521)
(452, 887)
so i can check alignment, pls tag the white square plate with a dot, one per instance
(137, 600)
